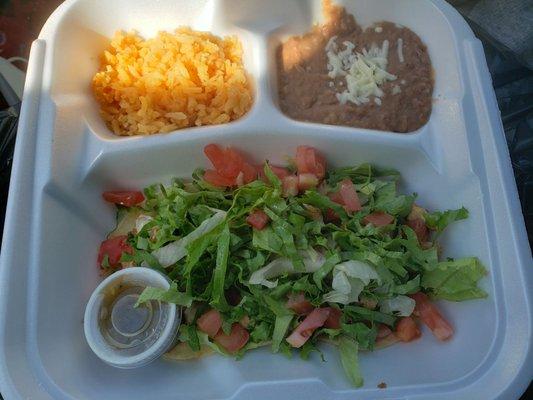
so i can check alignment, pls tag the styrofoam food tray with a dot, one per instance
(65, 157)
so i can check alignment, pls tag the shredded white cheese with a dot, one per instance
(363, 72)
(403, 82)
(400, 50)
(377, 100)
(396, 90)
(378, 29)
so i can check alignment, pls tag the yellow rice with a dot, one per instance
(173, 81)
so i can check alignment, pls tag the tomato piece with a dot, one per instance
(216, 155)
(113, 249)
(407, 330)
(309, 161)
(290, 185)
(386, 341)
(378, 218)
(229, 163)
(299, 304)
(349, 196)
(235, 341)
(258, 219)
(215, 179)
(127, 198)
(303, 332)
(416, 221)
(431, 317)
(280, 172)
(420, 228)
(210, 323)
(336, 198)
(334, 319)
(307, 181)
(301, 160)
(331, 216)
(320, 168)
(383, 331)
(249, 173)
(259, 169)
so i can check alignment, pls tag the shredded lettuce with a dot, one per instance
(171, 295)
(348, 349)
(455, 280)
(349, 280)
(310, 249)
(175, 251)
(402, 306)
(312, 261)
(280, 330)
(440, 220)
(141, 221)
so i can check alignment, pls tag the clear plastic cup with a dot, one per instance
(123, 335)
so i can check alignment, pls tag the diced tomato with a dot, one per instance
(334, 318)
(386, 341)
(215, 179)
(303, 332)
(420, 228)
(113, 249)
(229, 163)
(299, 304)
(301, 160)
(383, 331)
(349, 196)
(235, 341)
(259, 169)
(431, 317)
(336, 198)
(307, 181)
(378, 219)
(309, 161)
(258, 219)
(239, 180)
(126, 198)
(290, 185)
(407, 330)
(216, 155)
(416, 221)
(210, 323)
(280, 172)
(249, 173)
(331, 216)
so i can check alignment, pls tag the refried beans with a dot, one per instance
(308, 93)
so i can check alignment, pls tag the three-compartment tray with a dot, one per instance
(65, 157)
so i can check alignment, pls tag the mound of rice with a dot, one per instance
(172, 81)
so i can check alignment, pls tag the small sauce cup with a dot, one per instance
(123, 335)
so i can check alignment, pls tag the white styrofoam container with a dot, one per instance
(65, 157)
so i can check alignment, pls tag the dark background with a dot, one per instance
(508, 56)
